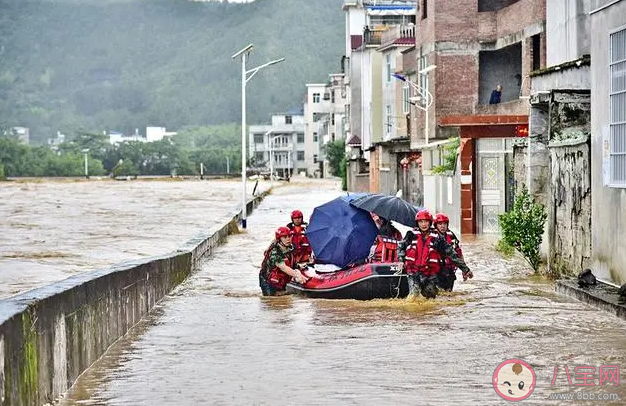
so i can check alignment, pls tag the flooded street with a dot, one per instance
(52, 229)
(216, 341)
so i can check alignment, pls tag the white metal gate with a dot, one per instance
(491, 175)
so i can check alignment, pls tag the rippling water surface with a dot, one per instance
(216, 341)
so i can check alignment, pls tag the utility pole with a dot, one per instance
(86, 152)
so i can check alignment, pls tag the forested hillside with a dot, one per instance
(125, 64)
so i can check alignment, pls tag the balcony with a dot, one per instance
(398, 35)
(519, 107)
(373, 36)
(280, 146)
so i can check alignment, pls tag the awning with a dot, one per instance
(391, 12)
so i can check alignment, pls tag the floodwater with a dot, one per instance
(216, 341)
(51, 229)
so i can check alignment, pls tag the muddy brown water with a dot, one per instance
(216, 341)
(51, 229)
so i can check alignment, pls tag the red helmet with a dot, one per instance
(423, 215)
(441, 218)
(282, 232)
(296, 214)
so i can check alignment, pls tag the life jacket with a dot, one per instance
(421, 255)
(274, 276)
(452, 240)
(385, 249)
(300, 242)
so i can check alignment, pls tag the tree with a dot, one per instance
(335, 153)
(2, 177)
(132, 77)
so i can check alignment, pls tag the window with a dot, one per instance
(406, 94)
(300, 138)
(316, 97)
(617, 66)
(388, 119)
(332, 119)
(332, 137)
(258, 138)
(258, 157)
(536, 42)
(314, 158)
(300, 156)
(288, 120)
(332, 96)
(424, 9)
(315, 138)
(423, 78)
(388, 58)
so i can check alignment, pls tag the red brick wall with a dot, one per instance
(460, 21)
(425, 32)
(456, 84)
(520, 15)
(455, 20)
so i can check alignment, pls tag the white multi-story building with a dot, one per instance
(332, 126)
(324, 112)
(316, 106)
(373, 113)
(157, 133)
(152, 134)
(281, 142)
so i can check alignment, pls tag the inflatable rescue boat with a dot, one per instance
(361, 282)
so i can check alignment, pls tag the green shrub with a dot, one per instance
(505, 249)
(522, 227)
(450, 152)
(1, 171)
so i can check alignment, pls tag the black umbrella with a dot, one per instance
(389, 207)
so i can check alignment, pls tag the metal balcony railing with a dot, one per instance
(400, 34)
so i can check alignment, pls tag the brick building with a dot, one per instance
(475, 46)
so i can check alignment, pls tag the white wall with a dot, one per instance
(355, 22)
(389, 96)
(608, 204)
(567, 30)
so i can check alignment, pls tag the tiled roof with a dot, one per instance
(405, 41)
(354, 140)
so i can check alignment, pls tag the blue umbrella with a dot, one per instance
(339, 233)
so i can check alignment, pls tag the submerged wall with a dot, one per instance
(50, 335)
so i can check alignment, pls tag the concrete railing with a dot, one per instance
(50, 335)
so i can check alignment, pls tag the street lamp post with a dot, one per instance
(271, 148)
(423, 95)
(244, 79)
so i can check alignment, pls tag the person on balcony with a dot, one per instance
(496, 95)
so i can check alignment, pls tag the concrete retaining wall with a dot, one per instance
(602, 296)
(50, 335)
